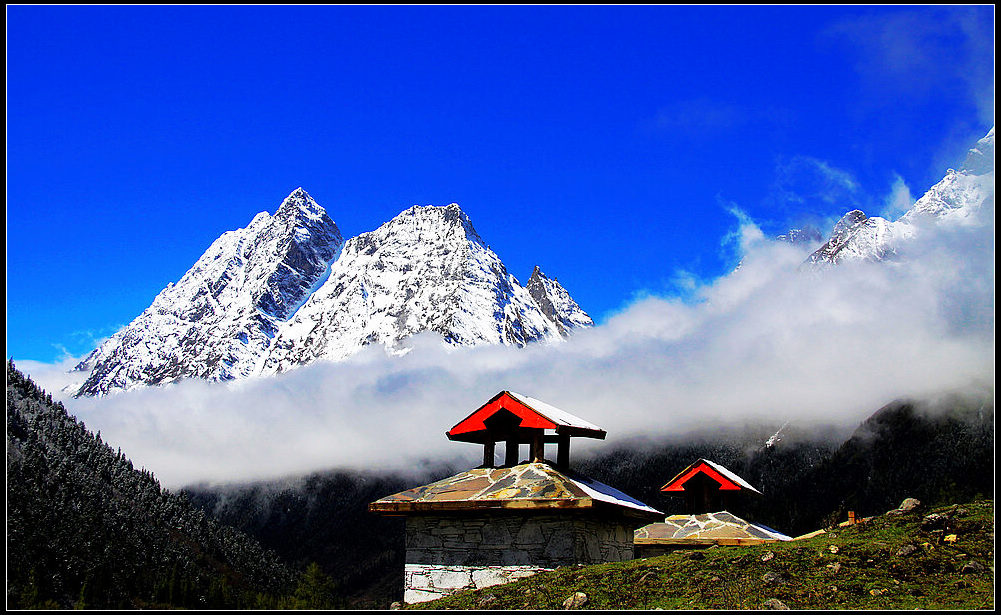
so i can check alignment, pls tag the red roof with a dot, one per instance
(728, 481)
(530, 413)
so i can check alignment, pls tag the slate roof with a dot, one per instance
(525, 486)
(711, 528)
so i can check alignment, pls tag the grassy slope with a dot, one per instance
(858, 567)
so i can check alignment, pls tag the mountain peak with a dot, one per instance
(298, 204)
(288, 290)
(959, 196)
(556, 303)
(444, 218)
(540, 276)
(849, 220)
(980, 157)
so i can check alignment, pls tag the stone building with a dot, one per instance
(707, 489)
(491, 525)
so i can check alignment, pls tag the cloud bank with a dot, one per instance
(769, 342)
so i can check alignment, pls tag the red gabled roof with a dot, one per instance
(533, 413)
(728, 481)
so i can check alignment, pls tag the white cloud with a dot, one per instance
(898, 201)
(767, 342)
(807, 181)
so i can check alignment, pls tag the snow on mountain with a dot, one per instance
(425, 270)
(953, 200)
(218, 319)
(287, 290)
(556, 303)
(802, 236)
(856, 237)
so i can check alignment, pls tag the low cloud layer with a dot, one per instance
(769, 342)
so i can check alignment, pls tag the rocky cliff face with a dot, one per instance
(287, 290)
(556, 303)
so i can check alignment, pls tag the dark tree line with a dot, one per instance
(87, 529)
(809, 480)
(324, 518)
(938, 452)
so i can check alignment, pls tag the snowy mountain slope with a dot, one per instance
(287, 290)
(953, 200)
(215, 322)
(802, 236)
(856, 237)
(425, 270)
(556, 303)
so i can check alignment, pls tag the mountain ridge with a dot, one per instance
(955, 199)
(287, 290)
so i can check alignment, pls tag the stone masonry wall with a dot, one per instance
(446, 554)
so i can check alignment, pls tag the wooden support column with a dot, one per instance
(511, 453)
(563, 452)
(488, 454)
(537, 453)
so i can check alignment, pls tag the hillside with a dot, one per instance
(938, 452)
(87, 529)
(925, 559)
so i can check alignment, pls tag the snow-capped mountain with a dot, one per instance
(287, 290)
(219, 318)
(958, 196)
(856, 237)
(802, 236)
(425, 270)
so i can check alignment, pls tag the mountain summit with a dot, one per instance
(288, 290)
(954, 199)
(427, 269)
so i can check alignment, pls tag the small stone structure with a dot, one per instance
(692, 531)
(491, 525)
(705, 485)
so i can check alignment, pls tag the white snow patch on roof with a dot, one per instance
(553, 413)
(611, 495)
(730, 475)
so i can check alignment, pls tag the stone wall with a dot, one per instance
(425, 582)
(449, 553)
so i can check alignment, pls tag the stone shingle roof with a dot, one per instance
(711, 528)
(525, 486)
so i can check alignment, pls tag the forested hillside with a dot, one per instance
(937, 452)
(324, 518)
(87, 529)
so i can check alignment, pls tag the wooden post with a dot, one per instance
(538, 447)
(488, 454)
(511, 453)
(563, 452)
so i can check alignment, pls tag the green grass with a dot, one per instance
(867, 571)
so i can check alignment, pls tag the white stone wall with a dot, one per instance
(425, 582)
(449, 553)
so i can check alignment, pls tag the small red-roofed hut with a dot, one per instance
(518, 419)
(491, 525)
(707, 486)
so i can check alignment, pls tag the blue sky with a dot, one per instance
(606, 144)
